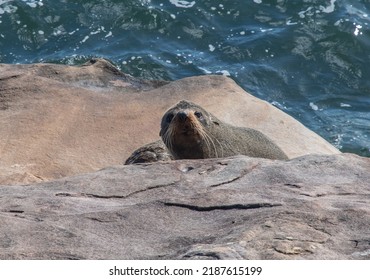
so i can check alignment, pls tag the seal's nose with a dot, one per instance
(182, 116)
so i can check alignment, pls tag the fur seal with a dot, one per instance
(190, 132)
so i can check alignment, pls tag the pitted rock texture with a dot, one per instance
(311, 207)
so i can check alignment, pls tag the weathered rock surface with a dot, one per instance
(58, 120)
(312, 207)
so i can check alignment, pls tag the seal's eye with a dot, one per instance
(169, 118)
(198, 114)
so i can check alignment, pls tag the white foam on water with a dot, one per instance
(182, 3)
(32, 4)
(85, 39)
(314, 106)
(329, 9)
(205, 70)
(73, 32)
(197, 33)
(59, 30)
(50, 19)
(338, 141)
(257, 1)
(338, 22)
(95, 32)
(5, 1)
(224, 73)
(109, 34)
(357, 30)
(289, 22)
(344, 105)
(302, 14)
(278, 105)
(265, 30)
(211, 48)
(9, 9)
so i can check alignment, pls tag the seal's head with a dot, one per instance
(184, 130)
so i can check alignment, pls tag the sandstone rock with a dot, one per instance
(311, 207)
(58, 120)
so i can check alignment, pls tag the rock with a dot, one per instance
(311, 207)
(59, 120)
(67, 122)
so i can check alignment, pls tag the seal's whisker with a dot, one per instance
(208, 140)
(196, 126)
(220, 145)
(222, 148)
(167, 138)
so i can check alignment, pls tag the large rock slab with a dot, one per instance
(58, 120)
(311, 207)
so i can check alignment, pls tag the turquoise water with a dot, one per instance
(310, 58)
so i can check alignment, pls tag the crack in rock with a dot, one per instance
(100, 220)
(223, 207)
(4, 78)
(91, 195)
(151, 188)
(242, 174)
(300, 240)
(88, 195)
(15, 211)
(226, 182)
(65, 194)
(102, 196)
(326, 194)
(365, 242)
(296, 186)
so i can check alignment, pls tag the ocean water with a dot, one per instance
(310, 58)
